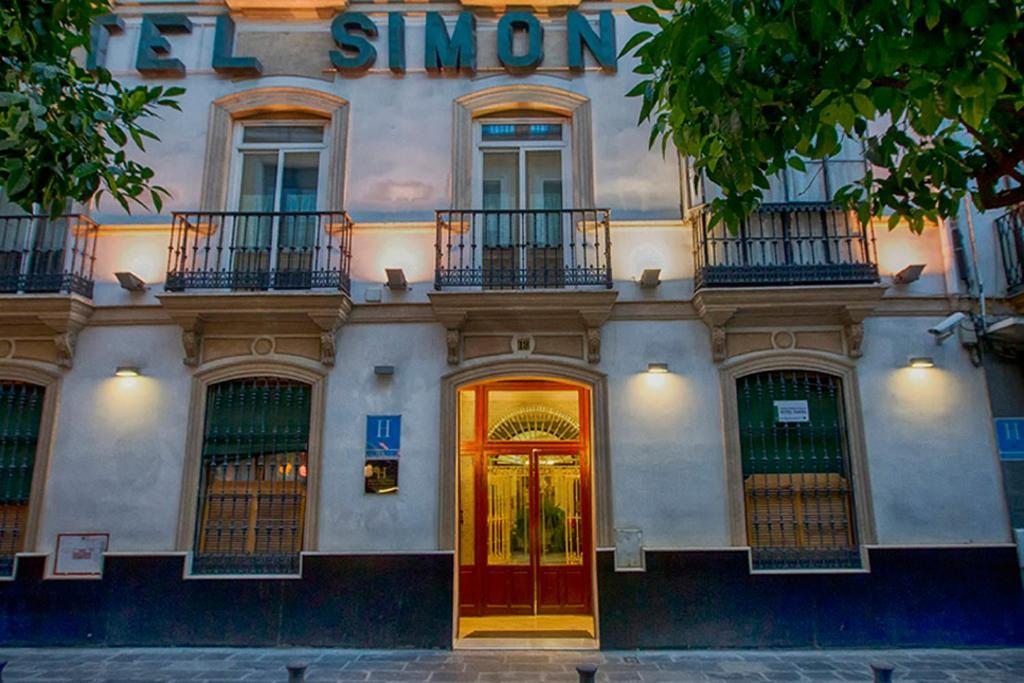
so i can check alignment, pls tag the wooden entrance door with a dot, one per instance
(525, 516)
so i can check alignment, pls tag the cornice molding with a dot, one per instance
(58, 316)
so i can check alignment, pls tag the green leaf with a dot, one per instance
(644, 14)
(719, 64)
(634, 40)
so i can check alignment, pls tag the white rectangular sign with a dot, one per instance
(80, 554)
(792, 411)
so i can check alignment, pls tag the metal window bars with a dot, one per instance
(252, 495)
(796, 471)
(257, 251)
(523, 248)
(784, 244)
(1010, 228)
(39, 254)
(21, 407)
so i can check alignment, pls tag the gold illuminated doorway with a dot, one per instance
(524, 505)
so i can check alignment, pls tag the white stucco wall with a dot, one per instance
(116, 464)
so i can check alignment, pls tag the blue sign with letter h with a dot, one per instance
(1010, 436)
(383, 436)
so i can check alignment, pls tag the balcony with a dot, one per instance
(39, 254)
(230, 273)
(516, 249)
(1010, 228)
(784, 245)
(260, 251)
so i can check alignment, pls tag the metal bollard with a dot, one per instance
(882, 672)
(297, 672)
(586, 672)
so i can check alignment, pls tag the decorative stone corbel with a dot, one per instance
(719, 343)
(328, 348)
(593, 344)
(453, 337)
(192, 343)
(854, 334)
(65, 346)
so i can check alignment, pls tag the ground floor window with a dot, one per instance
(252, 486)
(21, 409)
(796, 471)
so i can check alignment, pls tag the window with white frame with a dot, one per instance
(522, 182)
(278, 179)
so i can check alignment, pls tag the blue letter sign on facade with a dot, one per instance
(1010, 437)
(383, 436)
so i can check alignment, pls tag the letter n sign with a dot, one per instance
(383, 436)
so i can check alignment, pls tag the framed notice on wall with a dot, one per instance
(80, 554)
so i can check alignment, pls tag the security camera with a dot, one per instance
(947, 327)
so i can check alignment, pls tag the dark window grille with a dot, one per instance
(252, 490)
(257, 251)
(796, 475)
(21, 409)
(799, 243)
(1010, 227)
(523, 248)
(40, 254)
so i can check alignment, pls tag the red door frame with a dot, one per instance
(475, 581)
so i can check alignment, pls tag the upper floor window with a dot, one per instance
(523, 164)
(797, 484)
(279, 166)
(21, 409)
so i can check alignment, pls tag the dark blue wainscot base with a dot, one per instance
(935, 597)
(365, 601)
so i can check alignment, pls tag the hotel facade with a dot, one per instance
(429, 349)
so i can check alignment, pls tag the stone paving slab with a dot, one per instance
(196, 665)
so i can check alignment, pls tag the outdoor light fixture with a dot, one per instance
(650, 278)
(396, 279)
(921, 362)
(130, 281)
(384, 370)
(908, 274)
(126, 371)
(657, 368)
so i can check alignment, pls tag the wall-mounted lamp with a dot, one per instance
(384, 370)
(130, 281)
(921, 362)
(908, 274)
(657, 368)
(396, 279)
(650, 278)
(126, 371)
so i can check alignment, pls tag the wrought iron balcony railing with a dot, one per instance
(256, 251)
(523, 248)
(784, 244)
(1010, 227)
(40, 254)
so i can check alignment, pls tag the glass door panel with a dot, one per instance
(501, 237)
(251, 235)
(508, 509)
(561, 509)
(545, 262)
(297, 234)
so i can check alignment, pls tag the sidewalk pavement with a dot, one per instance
(150, 665)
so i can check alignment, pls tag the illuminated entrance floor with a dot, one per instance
(544, 631)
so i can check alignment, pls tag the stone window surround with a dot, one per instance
(275, 100)
(308, 373)
(838, 366)
(50, 381)
(512, 98)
